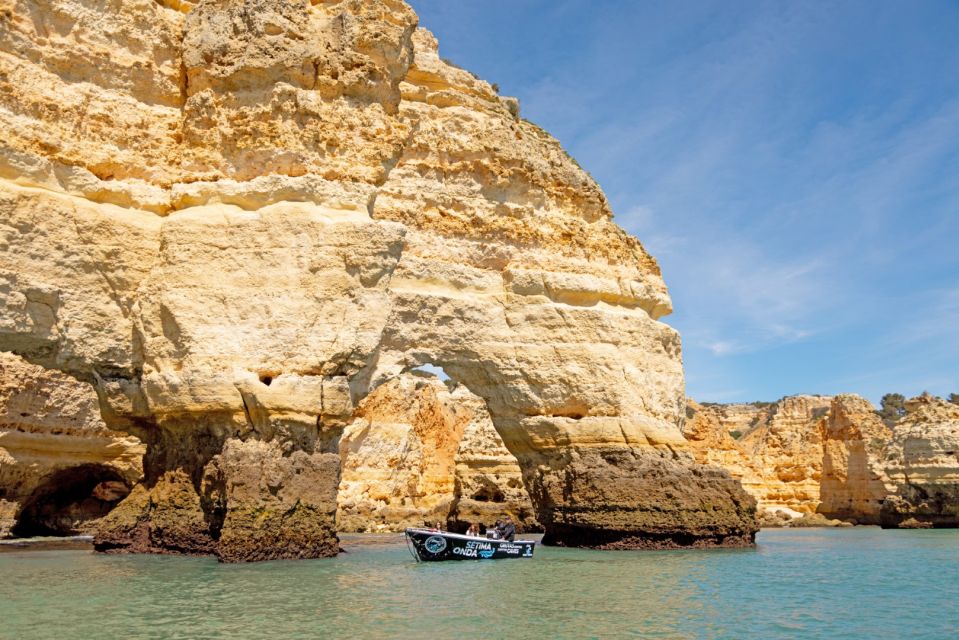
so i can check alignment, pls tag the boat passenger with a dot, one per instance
(496, 530)
(474, 529)
(509, 530)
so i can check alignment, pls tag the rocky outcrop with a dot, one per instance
(735, 419)
(854, 481)
(236, 218)
(419, 453)
(788, 445)
(61, 468)
(488, 480)
(709, 430)
(923, 464)
(813, 461)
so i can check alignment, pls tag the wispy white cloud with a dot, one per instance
(791, 165)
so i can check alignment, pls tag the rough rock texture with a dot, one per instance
(808, 460)
(854, 481)
(788, 446)
(708, 431)
(923, 463)
(60, 467)
(488, 480)
(236, 217)
(734, 418)
(418, 453)
(777, 453)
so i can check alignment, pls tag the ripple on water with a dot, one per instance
(837, 583)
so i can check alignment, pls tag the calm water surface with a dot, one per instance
(814, 583)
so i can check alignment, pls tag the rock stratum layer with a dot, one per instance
(835, 457)
(418, 453)
(922, 462)
(61, 468)
(801, 456)
(237, 218)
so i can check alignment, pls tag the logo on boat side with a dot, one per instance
(435, 544)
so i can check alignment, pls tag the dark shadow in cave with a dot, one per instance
(68, 499)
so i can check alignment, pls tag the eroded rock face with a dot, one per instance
(419, 453)
(788, 445)
(61, 468)
(854, 480)
(236, 217)
(923, 464)
(810, 461)
(488, 480)
(708, 430)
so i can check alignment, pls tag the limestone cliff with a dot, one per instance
(708, 430)
(854, 480)
(489, 482)
(777, 453)
(237, 217)
(835, 457)
(60, 467)
(418, 453)
(923, 464)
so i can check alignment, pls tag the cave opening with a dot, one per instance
(69, 500)
(489, 494)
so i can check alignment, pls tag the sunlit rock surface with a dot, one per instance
(419, 453)
(812, 460)
(61, 468)
(923, 464)
(854, 479)
(236, 218)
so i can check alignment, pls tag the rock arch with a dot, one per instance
(422, 449)
(300, 199)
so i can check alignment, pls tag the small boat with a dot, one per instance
(430, 545)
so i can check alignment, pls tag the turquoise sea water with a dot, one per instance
(813, 583)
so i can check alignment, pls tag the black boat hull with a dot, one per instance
(433, 546)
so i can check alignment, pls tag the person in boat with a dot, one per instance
(508, 530)
(495, 531)
(474, 529)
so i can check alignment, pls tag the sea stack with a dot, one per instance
(238, 218)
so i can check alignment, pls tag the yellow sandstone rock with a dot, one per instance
(788, 443)
(923, 464)
(708, 429)
(419, 453)
(854, 479)
(236, 218)
(833, 459)
(61, 468)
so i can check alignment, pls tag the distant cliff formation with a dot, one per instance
(812, 458)
(922, 462)
(238, 219)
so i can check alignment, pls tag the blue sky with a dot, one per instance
(794, 166)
